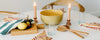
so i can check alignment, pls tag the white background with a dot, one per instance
(92, 6)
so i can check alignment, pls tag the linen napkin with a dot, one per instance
(91, 25)
(6, 27)
(42, 36)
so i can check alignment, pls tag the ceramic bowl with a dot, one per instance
(52, 17)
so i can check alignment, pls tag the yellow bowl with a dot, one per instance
(52, 17)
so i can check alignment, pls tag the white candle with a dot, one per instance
(35, 9)
(69, 10)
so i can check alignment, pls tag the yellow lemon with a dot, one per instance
(22, 26)
(28, 23)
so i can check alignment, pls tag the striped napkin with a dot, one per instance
(6, 27)
(91, 25)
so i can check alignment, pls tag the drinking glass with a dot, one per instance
(51, 29)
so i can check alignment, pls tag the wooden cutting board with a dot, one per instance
(32, 30)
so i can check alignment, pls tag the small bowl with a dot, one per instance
(52, 17)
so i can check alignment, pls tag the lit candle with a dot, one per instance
(35, 13)
(69, 10)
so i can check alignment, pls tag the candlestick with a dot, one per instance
(35, 12)
(68, 24)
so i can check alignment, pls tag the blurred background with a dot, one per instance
(91, 6)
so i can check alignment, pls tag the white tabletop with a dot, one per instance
(93, 34)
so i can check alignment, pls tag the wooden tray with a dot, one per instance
(32, 30)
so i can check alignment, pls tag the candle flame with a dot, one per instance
(34, 3)
(69, 5)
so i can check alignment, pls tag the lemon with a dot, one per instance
(28, 23)
(22, 26)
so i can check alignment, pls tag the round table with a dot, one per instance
(75, 17)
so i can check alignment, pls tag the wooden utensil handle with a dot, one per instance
(78, 31)
(78, 35)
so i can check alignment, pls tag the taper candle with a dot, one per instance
(35, 10)
(69, 10)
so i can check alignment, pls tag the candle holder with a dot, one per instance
(68, 23)
(35, 20)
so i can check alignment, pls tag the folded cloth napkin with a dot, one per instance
(42, 36)
(7, 19)
(91, 25)
(6, 27)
